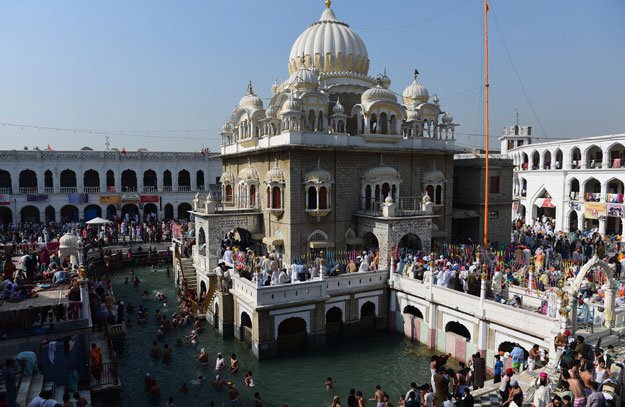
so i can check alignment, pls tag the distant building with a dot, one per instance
(64, 186)
(577, 182)
(468, 197)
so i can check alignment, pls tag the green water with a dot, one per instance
(386, 359)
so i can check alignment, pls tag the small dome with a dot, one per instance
(435, 99)
(415, 92)
(227, 178)
(434, 176)
(68, 240)
(142, 150)
(86, 148)
(271, 111)
(388, 200)
(412, 114)
(338, 107)
(378, 93)
(447, 118)
(227, 127)
(275, 174)
(250, 99)
(304, 79)
(291, 105)
(275, 86)
(318, 175)
(249, 173)
(385, 81)
(381, 172)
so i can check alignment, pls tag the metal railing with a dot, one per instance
(106, 376)
(68, 190)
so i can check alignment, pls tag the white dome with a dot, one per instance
(415, 92)
(331, 45)
(275, 174)
(447, 118)
(434, 176)
(291, 105)
(271, 111)
(318, 175)
(68, 240)
(227, 178)
(338, 108)
(381, 172)
(378, 93)
(250, 99)
(227, 127)
(249, 173)
(304, 79)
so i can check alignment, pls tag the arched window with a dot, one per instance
(311, 120)
(229, 193)
(341, 127)
(167, 183)
(383, 123)
(200, 180)
(323, 198)
(48, 181)
(269, 197)
(312, 198)
(430, 191)
(439, 195)
(386, 188)
(253, 196)
(393, 124)
(368, 203)
(320, 121)
(373, 123)
(377, 193)
(276, 198)
(110, 181)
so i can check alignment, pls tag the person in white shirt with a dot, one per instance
(228, 255)
(364, 266)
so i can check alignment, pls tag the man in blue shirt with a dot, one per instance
(518, 355)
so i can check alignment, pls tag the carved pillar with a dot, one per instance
(608, 302)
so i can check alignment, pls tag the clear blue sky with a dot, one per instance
(176, 65)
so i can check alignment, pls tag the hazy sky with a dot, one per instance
(182, 65)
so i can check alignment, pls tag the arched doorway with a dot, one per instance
(129, 181)
(367, 318)
(413, 318)
(292, 335)
(370, 242)
(5, 182)
(458, 329)
(246, 329)
(184, 181)
(150, 211)
(131, 209)
(68, 181)
(149, 181)
(92, 211)
(110, 181)
(28, 182)
(334, 325)
(30, 214)
(111, 211)
(169, 212)
(410, 243)
(183, 211)
(50, 214)
(91, 181)
(167, 181)
(6, 215)
(69, 213)
(199, 180)
(573, 221)
(507, 346)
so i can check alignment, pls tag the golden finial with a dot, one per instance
(328, 3)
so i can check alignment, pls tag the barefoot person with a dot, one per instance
(378, 397)
(234, 364)
(220, 362)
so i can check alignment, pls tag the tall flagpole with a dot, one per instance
(486, 177)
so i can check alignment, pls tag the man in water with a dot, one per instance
(378, 397)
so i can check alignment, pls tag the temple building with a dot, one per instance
(336, 159)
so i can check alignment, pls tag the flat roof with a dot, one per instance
(45, 297)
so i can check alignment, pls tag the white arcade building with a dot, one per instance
(62, 186)
(576, 182)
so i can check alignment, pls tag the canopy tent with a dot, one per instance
(98, 221)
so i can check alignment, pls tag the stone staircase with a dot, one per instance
(188, 271)
(30, 387)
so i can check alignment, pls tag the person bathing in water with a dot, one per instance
(220, 362)
(234, 364)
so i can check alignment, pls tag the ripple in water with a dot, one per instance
(362, 362)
